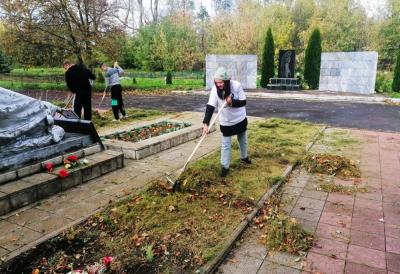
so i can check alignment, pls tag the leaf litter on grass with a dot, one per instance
(161, 231)
(282, 232)
(331, 165)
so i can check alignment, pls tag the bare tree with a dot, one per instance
(74, 26)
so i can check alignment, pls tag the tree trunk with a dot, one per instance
(141, 11)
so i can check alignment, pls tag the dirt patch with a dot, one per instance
(331, 165)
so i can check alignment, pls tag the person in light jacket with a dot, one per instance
(113, 82)
(233, 120)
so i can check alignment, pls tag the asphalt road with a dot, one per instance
(340, 114)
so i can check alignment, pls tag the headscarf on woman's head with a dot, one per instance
(222, 74)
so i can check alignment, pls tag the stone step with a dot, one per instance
(72, 141)
(38, 166)
(27, 190)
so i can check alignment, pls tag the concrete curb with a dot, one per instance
(213, 265)
(303, 97)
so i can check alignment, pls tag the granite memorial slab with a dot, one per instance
(348, 72)
(242, 68)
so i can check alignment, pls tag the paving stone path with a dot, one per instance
(355, 234)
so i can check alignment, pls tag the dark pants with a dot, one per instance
(83, 101)
(118, 105)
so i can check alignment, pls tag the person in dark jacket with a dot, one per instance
(78, 81)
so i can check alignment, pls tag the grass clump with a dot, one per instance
(282, 232)
(331, 165)
(286, 234)
(349, 190)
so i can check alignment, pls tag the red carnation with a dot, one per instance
(107, 260)
(72, 158)
(63, 173)
(49, 167)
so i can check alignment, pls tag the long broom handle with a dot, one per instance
(204, 136)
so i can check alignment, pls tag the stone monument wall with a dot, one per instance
(242, 68)
(348, 71)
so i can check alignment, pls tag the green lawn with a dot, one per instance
(127, 83)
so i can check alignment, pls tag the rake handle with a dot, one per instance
(204, 136)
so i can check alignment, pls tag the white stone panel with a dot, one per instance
(348, 71)
(242, 68)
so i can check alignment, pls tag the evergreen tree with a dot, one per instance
(5, 66)
(168, 78)
(312, 61)
(267, 69)
(396, 75)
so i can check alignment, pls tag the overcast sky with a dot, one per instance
(373, 7)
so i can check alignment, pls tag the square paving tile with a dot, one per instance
(393, 245)
(48, 224)
(392, 231)
(284, 258)
(338, 208)
(366, 256)
(331, 248)
(363, 239)
(335, 219)
(352, 268)
(307, 225)
(310, 203)
(314, 194)
(18, 237)
(240, 264)
(390, 198)
(365, 224)
(250, 246)
(368, 214)
(347, 200)
(306, 213)
(362, 203)
(293, 191)
(317, 263)
(393, 261)
(331, 232)
(269, 267)
(373, 194)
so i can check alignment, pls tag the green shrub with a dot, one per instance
(383, 82)
(5, 64)
(267, 69)
(312, 62)
(396, 76)
(100, 77)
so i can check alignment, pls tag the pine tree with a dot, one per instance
(5, 66)
(312, 62)
(396, 75)
(168, 78)
(267, 69)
